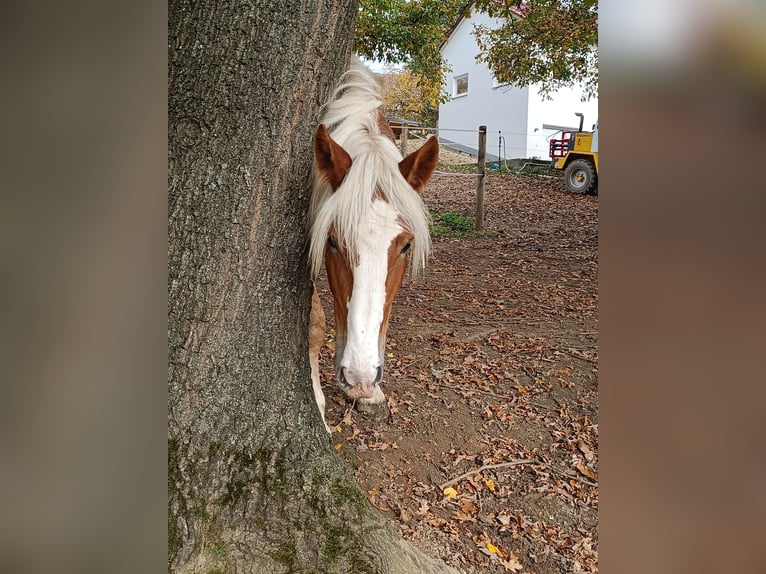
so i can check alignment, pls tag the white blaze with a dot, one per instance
(362, 355)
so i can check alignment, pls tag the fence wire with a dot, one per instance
(412, 131)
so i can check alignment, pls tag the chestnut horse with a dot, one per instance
(368, 225)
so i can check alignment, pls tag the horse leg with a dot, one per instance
(316, 338)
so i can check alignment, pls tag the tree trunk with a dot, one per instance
(253, 484)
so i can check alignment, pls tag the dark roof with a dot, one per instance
(403, 121)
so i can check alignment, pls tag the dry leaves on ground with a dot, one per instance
(487, 455)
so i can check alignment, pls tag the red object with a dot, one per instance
(559, 147)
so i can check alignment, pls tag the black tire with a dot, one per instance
(580, 176)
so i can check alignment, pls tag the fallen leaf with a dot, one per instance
(487, 519)
(490, 484)
(450, 493)
(493, 549)
(461, 516)
(512, 564)
(435, 521)
(586, 471)
(469, 507)
(585, 449)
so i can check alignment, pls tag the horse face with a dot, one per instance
(365, 281)
(363, 290)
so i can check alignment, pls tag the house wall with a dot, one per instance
(518, 113)
(500, 109)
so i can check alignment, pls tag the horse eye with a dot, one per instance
(406, 247)
(331, 242)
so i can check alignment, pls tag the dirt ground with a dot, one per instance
(487, 456)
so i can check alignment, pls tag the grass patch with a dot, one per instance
(451, 224)
(461, 167)
(536, 169)
(455, 222)
(502, 169)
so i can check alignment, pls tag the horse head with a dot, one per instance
(374, 222)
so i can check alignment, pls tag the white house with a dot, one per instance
(519, 122)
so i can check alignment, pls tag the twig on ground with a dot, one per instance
(411, 363)
(489, 467)
(573, 475)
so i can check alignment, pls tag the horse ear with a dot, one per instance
(332, 161)
(419, 165)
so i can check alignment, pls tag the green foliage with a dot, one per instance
(456, 222)
(553, 42)
(407, 32)
(460, 167)
(451, 224)
(535, 169)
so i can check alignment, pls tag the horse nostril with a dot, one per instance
(379, 375)
(342, 377)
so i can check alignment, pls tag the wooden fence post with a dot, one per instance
(403, 137)
(482, 160)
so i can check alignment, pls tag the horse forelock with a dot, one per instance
(352, 118)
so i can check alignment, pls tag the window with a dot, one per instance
(460, 86)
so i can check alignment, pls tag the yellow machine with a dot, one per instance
(577, 154)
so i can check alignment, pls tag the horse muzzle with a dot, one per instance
(358, 385)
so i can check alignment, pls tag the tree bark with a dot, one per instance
(253, 484)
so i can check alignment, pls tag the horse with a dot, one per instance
(368, 226)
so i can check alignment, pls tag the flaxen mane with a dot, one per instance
(351, 117)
